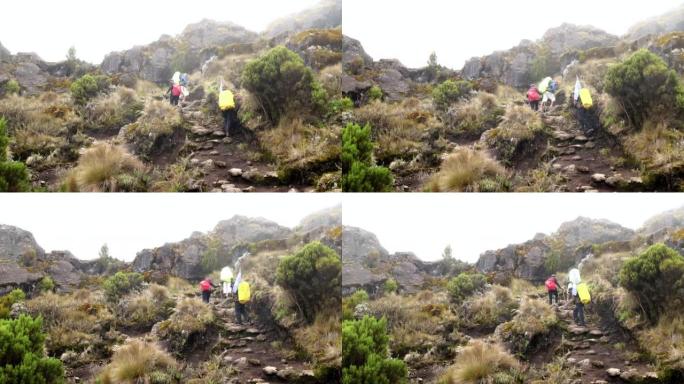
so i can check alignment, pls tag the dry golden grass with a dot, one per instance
(331, 79)
(475, 115)
(520, 122)
(666, 341)
(105, 168)
(114, 110)
(397, 129)
(192, 315)
(534, 317)
(480, 363)
(323, 338)
(658, 146)
(467, 170)
(489, 309)
(158, 118)
(180, 287)
(297, 144)
(138, 362)
(144, 309)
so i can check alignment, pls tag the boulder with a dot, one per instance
(30, 77)
(5, 54)
(210, 33)
(15, 243)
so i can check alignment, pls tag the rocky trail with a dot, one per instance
(600, 354)
(250, 350)
(584, 159)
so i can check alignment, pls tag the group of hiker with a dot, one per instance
(577, 291)
(232, 288)
(178, 90)
(543, 92)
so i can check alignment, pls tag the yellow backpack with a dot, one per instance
(583, 293)
(243, 292)
(226, 100)
(585, 98)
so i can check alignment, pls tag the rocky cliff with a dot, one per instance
(667, 22)
(326, 14)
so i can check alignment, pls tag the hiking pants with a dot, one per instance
(553, 294)
(174, 100)
(205, 296)
(578, 313)
(229, 120)
(240, 312)
(534, 105)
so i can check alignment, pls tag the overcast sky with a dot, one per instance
(458, 30)
(50, 27)
(474, 223)
(128, 223)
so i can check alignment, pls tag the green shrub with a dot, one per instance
(375, 93)
(364, 354)
(464, 285)
(87, 87)
(336, 106)
(13, 174)
(121, 283)
(391, 285)
(349, 303)
(22, 359)
(645, 86)
(6, 302)
(46, 284)
(450, 92)
(313, 276)
(656, 279)
(280, 81)
(359, 174)
(11, 87)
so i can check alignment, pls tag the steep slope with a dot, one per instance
(326, 14)
(667, 22)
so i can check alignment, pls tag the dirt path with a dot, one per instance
(602, 355)
(587, 160)
(256, 351)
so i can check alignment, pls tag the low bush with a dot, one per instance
(483, 363)
(106, 168)
(46, 284)
(489, 309)
(359, 174)
(6, 302)
(468, 170)
(364, 354)
(313, 276)
(143, 310)
(450, 92)
(474, 116)
(87, 87)
(114, 110)
(140, 361)
(519, 126)
(656, 279)
(121, 284)
(349, 303)
(464, 285)
(11, 87)
(375, 93)
(391, 286)
(529, 330)
(22, 359)
(188, 324)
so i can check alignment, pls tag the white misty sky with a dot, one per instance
(128, 223)
(50, 27)
(474, 223)
(458, 30)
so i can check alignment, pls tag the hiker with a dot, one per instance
(227, 281)
(583, 104)
(228, 109)
(552, 288)
(206, 286)
(578, 312)
(241, 300)
(550, 94)
(175, 92)
(533, 97)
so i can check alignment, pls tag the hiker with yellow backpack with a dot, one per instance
(579, 292)
(228, 107)
(242, 297)
(584, 105)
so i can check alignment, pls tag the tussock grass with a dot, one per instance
(475, 115)
(519, 122)
(114, 110)
(467, 170)
(158, 118)
(323, 338)
(138, 362)
(144, 309)
(106, 168)
(489, 309)
(482, 363)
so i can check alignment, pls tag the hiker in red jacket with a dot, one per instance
(174, 93)
(533, 97)
(552, 288)
(206, 287)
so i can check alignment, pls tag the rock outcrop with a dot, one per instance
(669, 219)
(5, 54)
(668, 22)
(241, 229)
(17, 244)
(210, 33)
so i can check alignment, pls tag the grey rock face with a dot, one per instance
(16, 242)
(327, 218)
(667, 22)
(569, 37)
(326, 14)
(245, 229)
(5, 54)
(208, 33)
(30, 77)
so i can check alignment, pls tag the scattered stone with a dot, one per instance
(194, 161)
(586, 189)
(261, 338)
(199, 130)
(596, 332)
(615, 180)
(412, 357)
(583, 169)
(293, 190)
(570, 168)
(635, 180)
(249, 189)
(235, 172)
(208, 164)
(597, 363)
(571, 360)
(228, 358)
(562, 135)
(214, 153)
(577, 330)
(590, 352)
(613, 372)
(241, 362)
(556, 167)
(576, 158)
(219, 134)
(586, 363)
(220, 164)
(254, 362)
(598, 178)
(69, 357)
(17, 310)
(590, 145)
(270, 371)
(253, 331)
(581, 138)
(630, 376)
(230, 188)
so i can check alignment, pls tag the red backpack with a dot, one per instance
(205, 286)
(533, 94)
(176, 90)
(551, 284)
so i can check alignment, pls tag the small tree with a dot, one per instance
(450, 92)
(391, 286)
(72, 60)
(280, 81)
(87, 87)
(359, 174)
(464, 285)
(432, 67)
(22, 357)
(365, 354)
(120, 284)
(13, 174)
(656, 279)
(645, 86)
(313, 276)
(46, 284)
